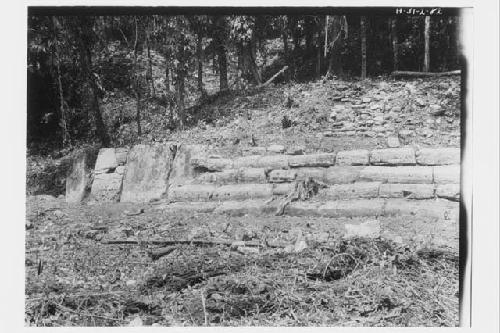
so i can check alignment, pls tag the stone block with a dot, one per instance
(302, 208)
(212, 164)
(182, 171)
(147, 174)
(229, 176)
(402, 174)
(448, 191)
(78, 181)
(243, 192)
(121, 155)
(282, 176)
(317, 174)
(350, 191)
(438, 156)
(447, 174)
(312, 160)
(282, 189)
(409, 191)
(353, 157)
(106, 187)
(277, 149)
(191, 192)
(342, 174)
(248, 207)
(442, 209)
(393, 156)
(252, 175)
(106, 161)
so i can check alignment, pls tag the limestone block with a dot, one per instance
(106, 187)
(147, 174)
(350, 191)
(243, 192)
(282, 176)
(106, 160)
(317, 174)
(448, 191)
(438, 156)
(252, 175)
(402, 174)
(313, 160)
(393, 156)
(447, 174)
(342, 174)
(191, 192)
(353, 157)
(409, 191)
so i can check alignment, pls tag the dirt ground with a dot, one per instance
(75, 278)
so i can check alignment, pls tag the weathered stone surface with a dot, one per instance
(229, 176)
(198, 207)
(182, 171)
(350, 191)
(106, 160)
(442, 209)
(302, 208)
(278, 149)
(342, 174)
(121, 169)
(148, 170)
(448, 191)
(352, 208)
(393, 156)
(447, 174)
(369, 229)
(191, 192)
(314, 173)
(78, 179)
(393, 142)
(248, 207)
(268, 162)
(212, 164)
(252, 175)
(353, 157)
(282, 176)
(409, 191)
(438, 156)
(282, 189)
(243, 192)
(295, 150)
(313, 160)
(106, 187)
(121, 155)
(403, 174)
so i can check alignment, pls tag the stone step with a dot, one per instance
(434, 209)
(375, 189)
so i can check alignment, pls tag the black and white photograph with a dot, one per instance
(247, 166)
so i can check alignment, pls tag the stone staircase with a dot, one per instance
(357, 183)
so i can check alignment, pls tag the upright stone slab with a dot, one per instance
(182, 171)
(148, 170)
(438, 156)
(106, 161)
(78, 179)
(106, 187)
(393, 156)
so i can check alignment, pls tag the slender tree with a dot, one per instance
(220, 31)
(363, 46)
(427, 29)
(394, 42)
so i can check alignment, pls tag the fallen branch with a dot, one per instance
(265, 84)
(423, 74)
(212, 242)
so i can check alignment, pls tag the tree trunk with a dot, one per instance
(199, 60)
(137, 82)
(394, 35)
(427, 48)
(86, 57)
(150, 64)
(220, 46)
(180, 83)
(63, 123)
(363, 47)
(318, 56)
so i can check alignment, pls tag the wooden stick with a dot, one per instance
(424, 74)
(273, 77)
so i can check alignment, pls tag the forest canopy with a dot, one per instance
(80, 65)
